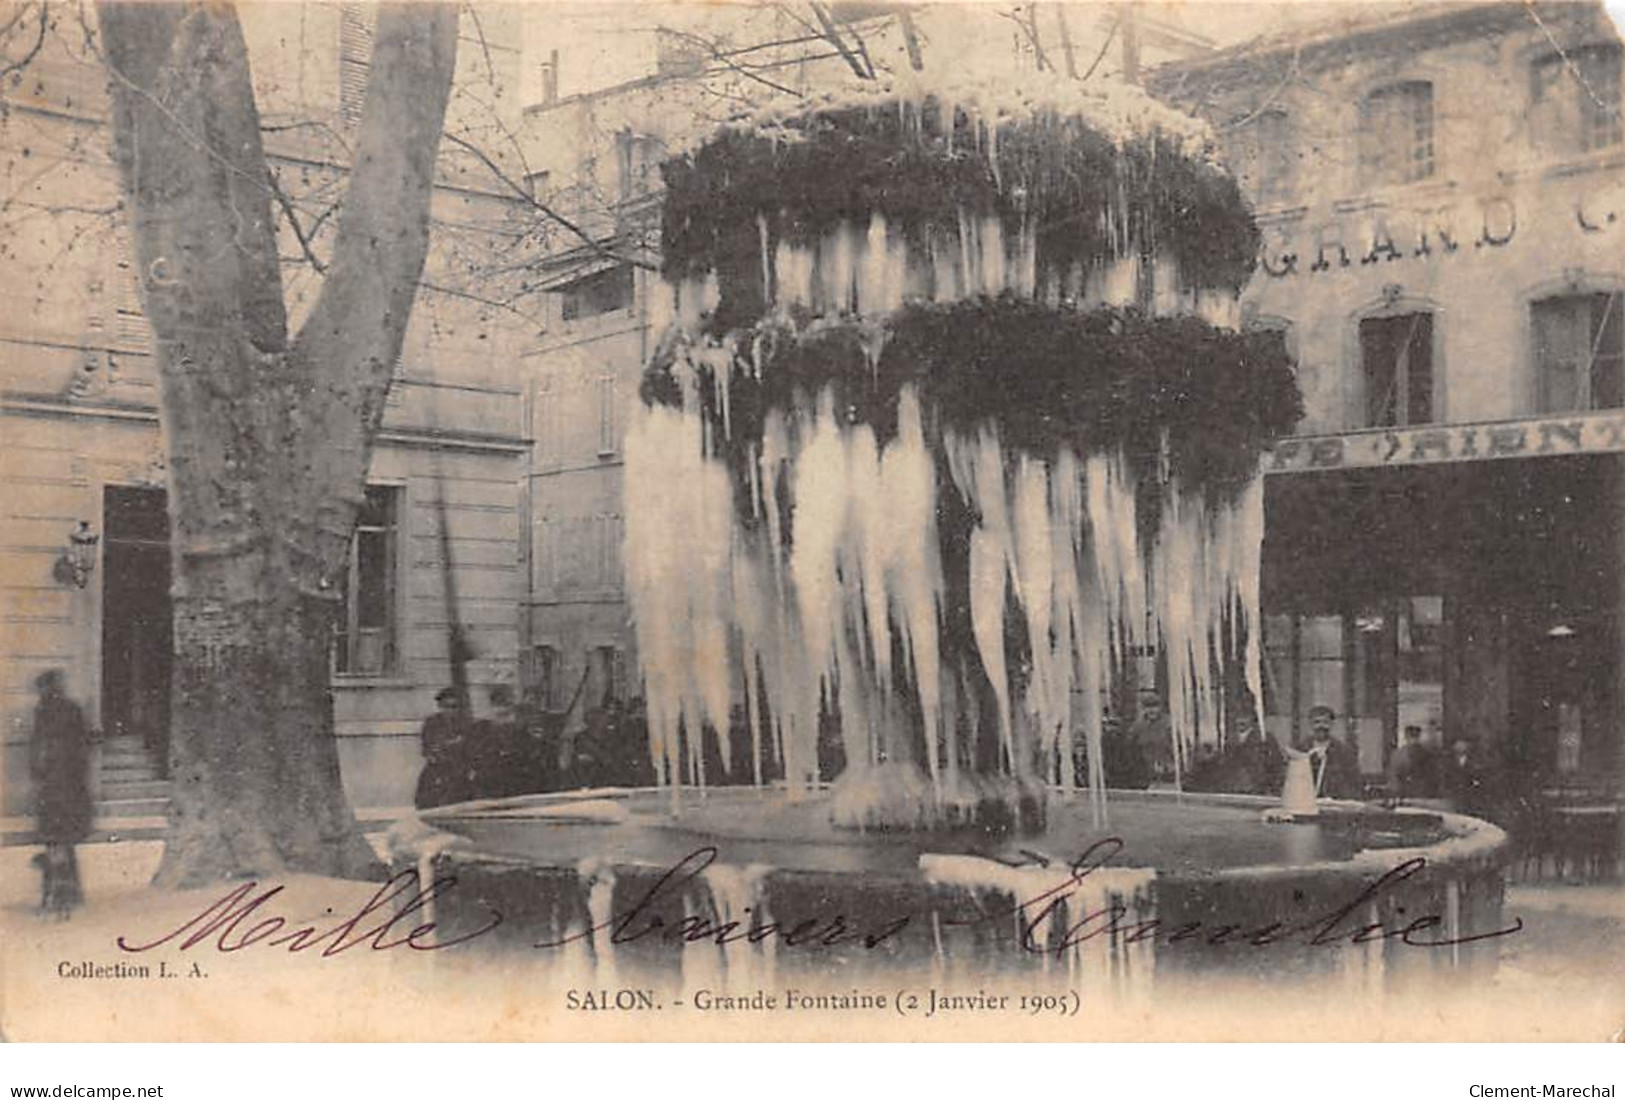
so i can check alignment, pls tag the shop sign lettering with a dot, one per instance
(1385, 236)
(1582, 433)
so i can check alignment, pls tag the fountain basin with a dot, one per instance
(753, 885)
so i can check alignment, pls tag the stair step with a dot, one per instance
(141, 788)
(128, 766)
(122, 779)
(124, 748)
(126, 754)
(131, 807)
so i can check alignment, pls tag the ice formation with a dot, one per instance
(808, 592)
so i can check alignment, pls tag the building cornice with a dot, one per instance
(1326, 47)
(58, 408)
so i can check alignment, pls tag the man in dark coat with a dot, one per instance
(1411, 770)
(498, 748)
(444, 778)
(59, 757)
(1337, 772)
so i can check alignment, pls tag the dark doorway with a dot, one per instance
(136, 649)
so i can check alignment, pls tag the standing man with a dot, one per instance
(444, 777)
(59, 757)
(498, 748)
(1410, 769)
(1152, 735)
(1337, 774)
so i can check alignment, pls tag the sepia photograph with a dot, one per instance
(812, 520)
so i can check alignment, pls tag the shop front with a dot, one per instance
(1477, 598)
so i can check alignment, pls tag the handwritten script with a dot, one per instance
(396, 916)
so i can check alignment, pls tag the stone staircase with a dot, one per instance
(130, 782)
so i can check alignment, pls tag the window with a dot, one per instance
(355, 59)
(547, 556)
(365, 644)
(1278, 331)
(1579, 352)
(1271, 158)
(547, 421)
(1397, 355)
(597, 294)
(609, 668)
(1396, 134)
(548, 675)
(607, 550)
(636, 159)
(608, 417)
(1575, 99)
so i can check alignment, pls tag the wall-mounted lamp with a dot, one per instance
(76, 566)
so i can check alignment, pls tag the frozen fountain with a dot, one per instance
(950, 425)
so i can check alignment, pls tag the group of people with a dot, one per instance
(1419, 770)
(1140, 753)
(522, 748)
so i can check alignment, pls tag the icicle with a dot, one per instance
(793, 275)
(991, 250)
(767, 259)
(597, 879)
(913, 569)
(738, 898)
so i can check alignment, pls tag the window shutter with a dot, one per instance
(547, 556)
(546, 421)
(1396, 133)
(355, 59)
(1606, 351)
(1598, 79)
(130, 329)
(606, 551)
(608, 444)
(1561, 327)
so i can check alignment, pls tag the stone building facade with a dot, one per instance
(1442, 196)
(83, 452)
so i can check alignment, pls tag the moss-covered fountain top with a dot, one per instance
(949, 192)
(947, 421)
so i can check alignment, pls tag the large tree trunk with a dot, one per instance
(269, 438)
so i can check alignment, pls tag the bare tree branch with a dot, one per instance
(729, 63)
(1069, 54)
(485, 47)
(1029, 27)
(1104, 46)
(470, 296)
(330, 131)
(292, 217)
(39, 41)
(592, 242)
(833, 34)
(911, 38)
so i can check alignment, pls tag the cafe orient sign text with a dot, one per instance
(1579, 433)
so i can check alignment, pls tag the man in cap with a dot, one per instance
(444, 778)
